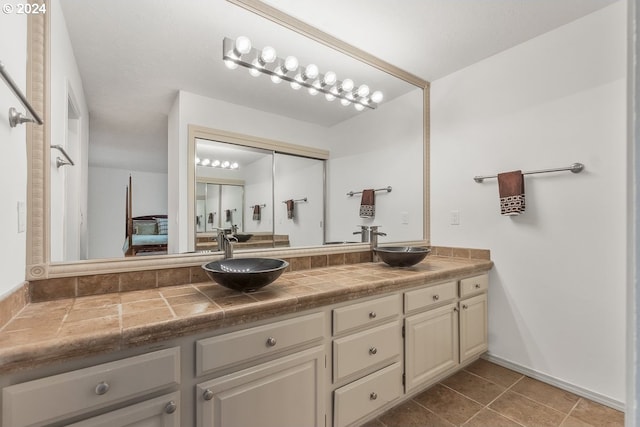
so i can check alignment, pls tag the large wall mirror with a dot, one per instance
(134, 88)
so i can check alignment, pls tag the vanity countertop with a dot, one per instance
(60, 330)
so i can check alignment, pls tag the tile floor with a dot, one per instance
(487, 395)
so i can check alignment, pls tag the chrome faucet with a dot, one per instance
(225, 243)
(364, 233)
(373, 236)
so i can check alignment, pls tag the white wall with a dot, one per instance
(107, 196)
(68, 183)
(557, 294)
(13, 174)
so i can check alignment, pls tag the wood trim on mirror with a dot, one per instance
(38, 265)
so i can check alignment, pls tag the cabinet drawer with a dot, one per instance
(364, 396)
(364, 313)
(432, 295)
(42, 401)
(365, 349)
(473, 285)
(236, 347)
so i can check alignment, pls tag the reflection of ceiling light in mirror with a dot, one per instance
(234, 165)
(265, 61)
(205, 162)
(225, 164)
(215, 163)
(197, 160)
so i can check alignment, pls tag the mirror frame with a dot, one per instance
(38, 139)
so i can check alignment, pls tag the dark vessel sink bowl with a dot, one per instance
(339, 243)
(245, 274)
(243, 237)
(401, 256)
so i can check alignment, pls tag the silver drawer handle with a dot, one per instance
(102, 388)
(373, 350)
(170, 407)
(372, 315)
(436, 297)
(207, 395)
(271, 341)
(373, 395)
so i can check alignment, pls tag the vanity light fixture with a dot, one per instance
(265, 61)
(226, 164)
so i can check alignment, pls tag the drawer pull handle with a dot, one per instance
(436, 297)
(170, 407)
(373, 351)
(271, 341)
(373, 395)
(102, 388)
(372, 315)
(477, 286)
(465, 306)
(207, 395)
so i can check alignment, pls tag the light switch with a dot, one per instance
(404, 217)
(455, 217)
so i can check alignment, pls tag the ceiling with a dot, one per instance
(134, 57)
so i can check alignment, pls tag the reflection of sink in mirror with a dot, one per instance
(245, 274)
(339, 243)
(243, 237)
(401, 256)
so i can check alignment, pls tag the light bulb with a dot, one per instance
(358, 107)
(225, 164)
(295, 85)
(363, 91)
(330, 78)
(254, 72)
(313, 91)
(329, 97)
(275, 79)
(197, 160)
(205, 162)
(345, 102)
(311, 72)
(268, 55)
(377, 96)
(215, 163)
(230, 64)
(234, 165)
(291, 63)
(243, 45)
(346, 85)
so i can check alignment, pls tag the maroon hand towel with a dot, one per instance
(368, 204)
(511, 189)
(290, 204)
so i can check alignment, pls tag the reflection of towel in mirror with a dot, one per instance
(290, 205)
(368, 204)
(511, 190)
(256, 213)
(210, 220)
(198, 220)
(227, 215)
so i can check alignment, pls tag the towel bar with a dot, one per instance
(387, 189)
(16, 118)
(575, 168)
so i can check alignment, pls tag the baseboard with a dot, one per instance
(582, 392)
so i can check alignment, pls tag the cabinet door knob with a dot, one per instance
(373, 350)
(465, 306)
(102, 388)
(372, 315)
(373, 395)
(477, 286)
(271, 341)
(207, 395)
(170, 407)
(436, 297)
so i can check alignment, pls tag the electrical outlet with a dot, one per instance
(455, 217)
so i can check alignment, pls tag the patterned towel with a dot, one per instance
(256, 212)
(290, 208)
(511, 189)
(368, 204)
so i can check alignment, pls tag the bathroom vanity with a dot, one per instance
(332, 346)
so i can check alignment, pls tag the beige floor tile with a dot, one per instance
(410, 414)
(597, 414)
(473, 387)
(546, 394)
(489, 418)
(494, 373)
(448, 404)
(526, 411)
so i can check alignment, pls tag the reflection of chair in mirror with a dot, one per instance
(144, 235)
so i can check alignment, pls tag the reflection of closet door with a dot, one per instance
(201, 218)
(213, 207)
(231, 203)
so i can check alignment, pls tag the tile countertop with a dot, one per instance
(60, 330)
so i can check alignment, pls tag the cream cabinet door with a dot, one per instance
(431, 344)
(473, 327)
(163, 411)
(286, 392)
